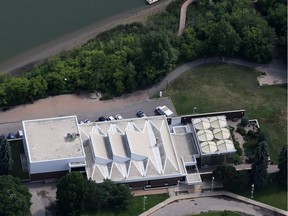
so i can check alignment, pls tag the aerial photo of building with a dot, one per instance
(141, 152)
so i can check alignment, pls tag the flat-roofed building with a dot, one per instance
(141, 152)
(53, 147)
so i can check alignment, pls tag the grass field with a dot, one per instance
(221, 87)
(136, 207)
(272, 194)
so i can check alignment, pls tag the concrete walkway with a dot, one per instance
(183, 12)
(276, 72)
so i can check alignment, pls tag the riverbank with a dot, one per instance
(37, 55)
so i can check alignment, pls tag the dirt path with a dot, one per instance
(80, 37)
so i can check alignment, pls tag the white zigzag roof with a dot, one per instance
(131, 150)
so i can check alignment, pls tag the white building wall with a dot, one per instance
(26, 154)
(52, 165)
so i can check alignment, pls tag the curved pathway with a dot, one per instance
(218, 201)
(276, 72)
(183, 11)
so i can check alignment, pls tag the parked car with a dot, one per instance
(20, 133)
(2, 136)
(87, 121)
(110, 118)
(11, 136)
(81, 122)
(140, 114)
(163, 110)
(102, 118)
(118, 117)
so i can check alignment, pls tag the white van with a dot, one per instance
(20, 133)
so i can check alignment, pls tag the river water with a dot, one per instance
(25, 24)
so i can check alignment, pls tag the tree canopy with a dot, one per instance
(282, 166)
(75, 193)
(226, 174)
(15, 198)
(260, 164)
(136, 56)
(71, 194)
(5, 157)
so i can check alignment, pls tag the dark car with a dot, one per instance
(11, 136)
(140, 114)
(102, 118)
(2, 136)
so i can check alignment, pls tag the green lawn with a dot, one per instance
(272, 194)
(136, 207)
(221, 87)
(17, 149)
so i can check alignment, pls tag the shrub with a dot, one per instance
(237, 147)
(244, 121)
(241, 131)
(261, 136)
(250, 133)
(106, 96)
(237, 159)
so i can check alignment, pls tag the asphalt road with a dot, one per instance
(206, 204)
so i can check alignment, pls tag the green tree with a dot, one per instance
(3, 96)
(17, 90)
(158, 51)
(227, 174)
(277, 18)
(56, 83)
(5, 157)
(119, 196)
(15, 198)
(130, 77)
(282, 166)
(98, 196)
(265, 5)
(71, 194)
(256, 46)
(122, 196)
(244, 121)
(223, 39)
(38, 87)
(259, 171)
(242, 180)
(189, 45)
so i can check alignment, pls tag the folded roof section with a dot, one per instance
(132, 150)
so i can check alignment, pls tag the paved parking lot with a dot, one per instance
(82, 106)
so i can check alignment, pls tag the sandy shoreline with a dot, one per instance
(24, 61)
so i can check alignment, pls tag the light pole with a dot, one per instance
(194, 109)
(144, 202)
(252, 191)
(212, 185)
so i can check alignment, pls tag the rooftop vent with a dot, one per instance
(72, 136)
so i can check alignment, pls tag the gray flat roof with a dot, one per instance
(47, 139)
